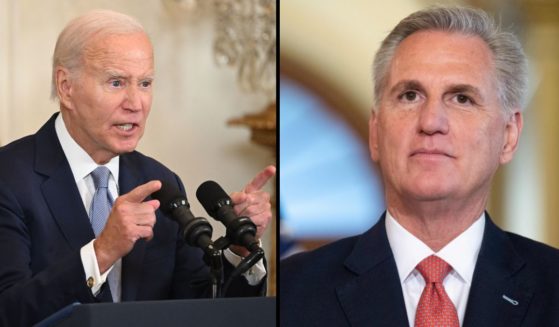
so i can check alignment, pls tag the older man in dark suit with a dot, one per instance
(60, 242)
(449, 89)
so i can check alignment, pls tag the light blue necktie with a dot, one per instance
(99, 212)
(102, 203)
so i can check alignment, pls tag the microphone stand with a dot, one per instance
(256, 253)
(212, 257)
(198, 233)
(241, 230)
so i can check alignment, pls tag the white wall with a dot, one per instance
(192, 101)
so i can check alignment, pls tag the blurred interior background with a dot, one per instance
(213, 113)
(329, 188)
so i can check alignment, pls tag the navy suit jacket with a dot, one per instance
(354, 282)
(43, 225)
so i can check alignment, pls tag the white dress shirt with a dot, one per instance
(82, 165)
(461, 254)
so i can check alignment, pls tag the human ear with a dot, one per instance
(512, 136)
(64, 87)
(373, 135)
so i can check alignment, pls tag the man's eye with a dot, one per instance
(463, 99)
(409, 96)
(116, 83)
(146, 84)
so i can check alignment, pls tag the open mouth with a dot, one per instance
(125, 127)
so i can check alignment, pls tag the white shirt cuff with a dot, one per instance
(93, 278)
(255, 274)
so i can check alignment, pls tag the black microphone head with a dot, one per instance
(212, 197)
(169, 197)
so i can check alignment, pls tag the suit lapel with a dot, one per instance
(374, 295)
(496, 299)
(63, 199)
(129, 178)
(59, 188)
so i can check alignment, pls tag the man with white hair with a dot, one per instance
(77, 223)
(449, 87)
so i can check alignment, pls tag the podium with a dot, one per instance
(246, 312)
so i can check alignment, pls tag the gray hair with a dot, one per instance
(509, 58)
(73, 39)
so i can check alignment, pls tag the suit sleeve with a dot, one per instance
(29, 292)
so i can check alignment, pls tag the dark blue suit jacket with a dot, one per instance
(354, 282)
(43, 225)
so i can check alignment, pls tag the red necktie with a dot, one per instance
(435, 309)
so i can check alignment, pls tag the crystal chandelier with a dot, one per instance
(246, 39)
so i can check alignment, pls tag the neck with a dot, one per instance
(436, 223)
(100, 157)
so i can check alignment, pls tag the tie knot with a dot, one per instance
(433, 269)
(101, 177)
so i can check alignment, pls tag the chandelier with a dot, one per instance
(246, 39)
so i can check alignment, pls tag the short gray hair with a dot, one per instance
(73, 39)
(509, 58)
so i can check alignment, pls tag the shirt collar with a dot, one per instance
(461, 253)
(80, 162)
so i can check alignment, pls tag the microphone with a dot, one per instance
(240, 230)
(196, 231)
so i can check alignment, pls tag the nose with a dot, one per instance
(133, 99)
(433, 118)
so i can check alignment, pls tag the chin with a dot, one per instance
(429, 197)
(430, 191)
(125, 148)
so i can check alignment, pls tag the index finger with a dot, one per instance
(260, 179)
(141, 192)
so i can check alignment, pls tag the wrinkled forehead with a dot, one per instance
(432, 39)
(133, 49)
(450, 55)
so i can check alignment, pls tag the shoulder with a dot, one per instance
(330, 255)
(16, 162)
(537, 275)
(532, 265)
(139, 169)
(141, 160)
(18, 150)
(25, 148)
(537, 254)
(318, 270)
(308, 283)
(146, 166)
(339, 260)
